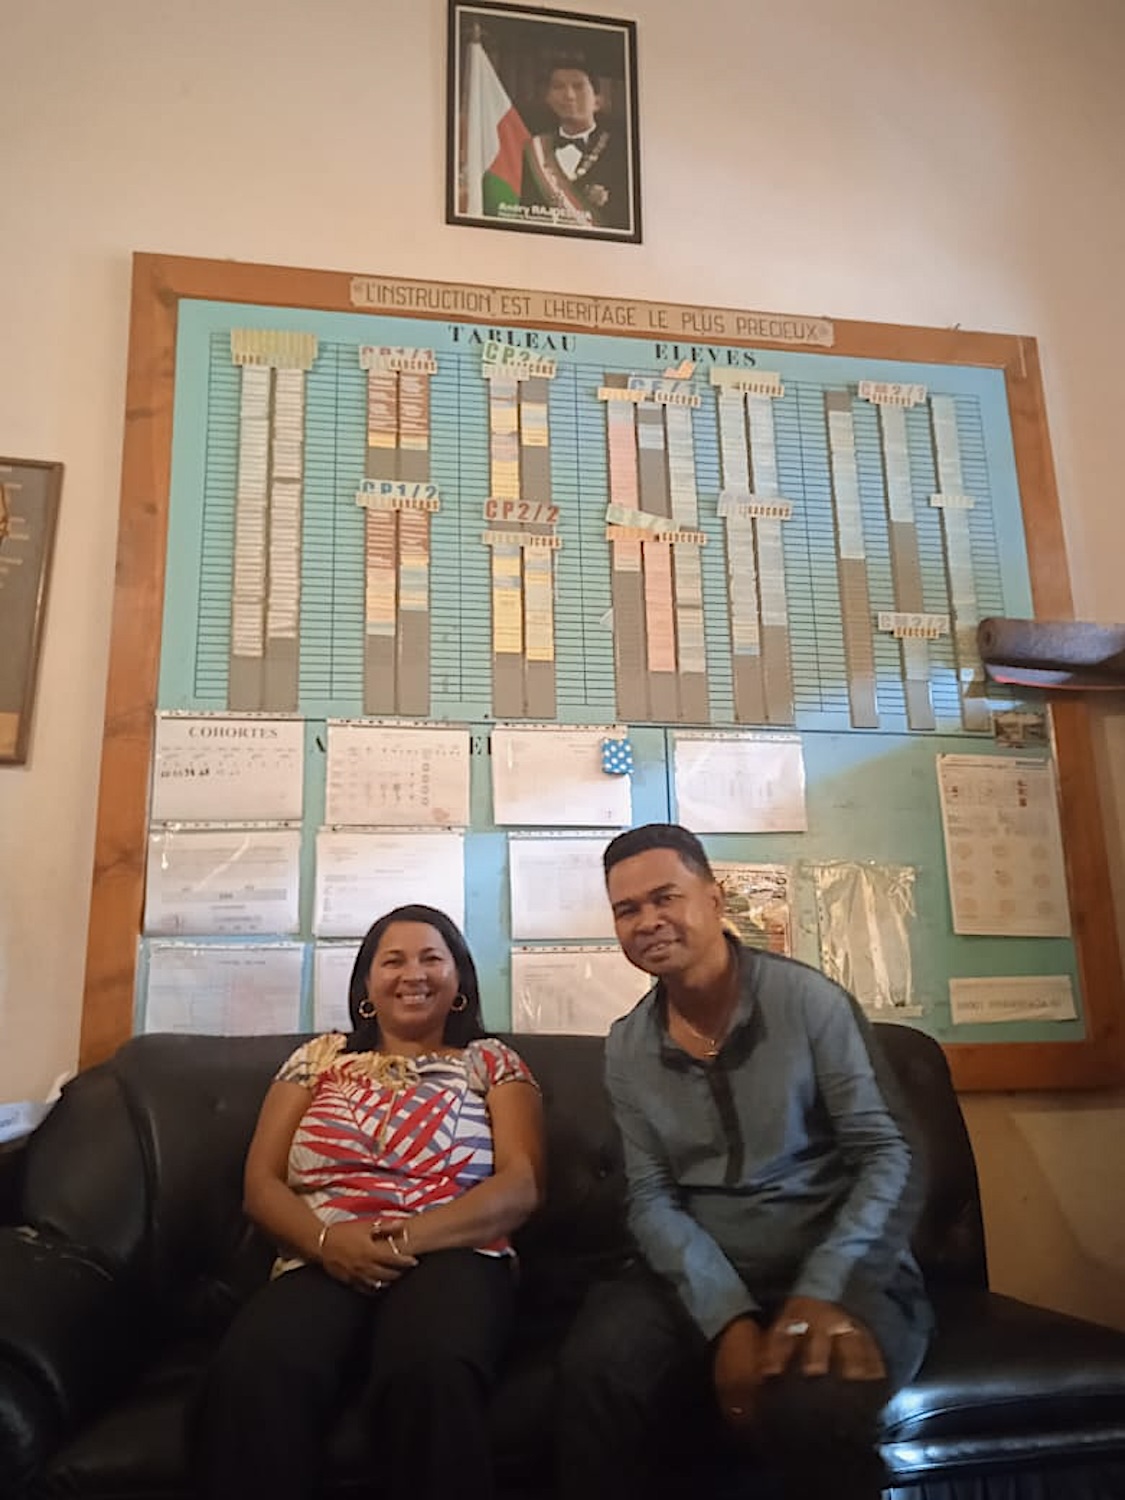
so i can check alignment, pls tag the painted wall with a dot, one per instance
(892, 160)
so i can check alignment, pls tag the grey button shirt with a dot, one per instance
(776, 1170)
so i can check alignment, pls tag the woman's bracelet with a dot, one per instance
(324, 1228)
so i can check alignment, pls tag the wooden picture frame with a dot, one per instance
(521, 82)
(160, 283)
(29, 505)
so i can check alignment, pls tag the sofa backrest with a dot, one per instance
(141, 1161)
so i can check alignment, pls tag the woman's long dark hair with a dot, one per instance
(461, 1026)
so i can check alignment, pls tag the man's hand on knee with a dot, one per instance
(737, 1372)
(823, 1338)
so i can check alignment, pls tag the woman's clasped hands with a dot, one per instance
(364, 1254)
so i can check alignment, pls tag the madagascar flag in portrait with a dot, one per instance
(495, 136)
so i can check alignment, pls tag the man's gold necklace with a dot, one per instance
(713, 1043)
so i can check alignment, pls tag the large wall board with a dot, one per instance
(716, 534)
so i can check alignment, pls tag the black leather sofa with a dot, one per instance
(124, 1252)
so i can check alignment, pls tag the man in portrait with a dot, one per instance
(577, 174)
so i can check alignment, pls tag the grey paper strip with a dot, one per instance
(413, 663)
(776, 666)
(964, 609)
(379, 675)
(630, 669)
(778, 674)
(919, 704)
(507, 686)
(280, 688)
(906, 569)
(245, 685)
(541, 693)
(859, 650)
(749, 690)
(652, 465)
(663, 697)
(414, 465)
(695, 698)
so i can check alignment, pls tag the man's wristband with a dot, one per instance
(324, 1228)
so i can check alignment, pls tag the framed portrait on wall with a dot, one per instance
(29, 503)
(542, 122)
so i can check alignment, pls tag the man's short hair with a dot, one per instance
(659, 836)
(574, 62)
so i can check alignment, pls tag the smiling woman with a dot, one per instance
(390, 1167)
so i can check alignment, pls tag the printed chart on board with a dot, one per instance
(455, 522)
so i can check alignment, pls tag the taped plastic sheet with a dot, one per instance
(864, 912)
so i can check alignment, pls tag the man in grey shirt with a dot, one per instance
(772, 1194)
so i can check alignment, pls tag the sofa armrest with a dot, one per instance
(70, 1337)
(12, 1157)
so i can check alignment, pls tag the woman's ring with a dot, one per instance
(840, 1329)
(794, 1330)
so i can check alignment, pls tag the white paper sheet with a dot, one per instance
(1003, 846)
(740, 783)
(389, 777)
(216, 768)
(223, 881)
(359, 876)
(554, 778)
(573, 991)
(1039, 997)
(332, 972)
(557, 887)
(224, 989)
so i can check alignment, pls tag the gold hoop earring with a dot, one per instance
(366, 1009)
(464, 999)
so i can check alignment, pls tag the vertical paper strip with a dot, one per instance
(539, 604)
(630, 671)
(380, 573)
(906, 567)
(538, 564)
(413, 674)
(508, 661)
(777, 665)
(681, 466)
(851, 562)
(507, 602)
(380, 561)
(535, 442)
(687, 570)
(964, 608)
(413, 426)
(382, 425)
(504, 443)
(660, 618)
(412, 686)
(248, 584)
(283, 593)
(763, 448)
(266, 589)
(742, 564)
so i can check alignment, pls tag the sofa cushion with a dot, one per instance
(1004, 1377)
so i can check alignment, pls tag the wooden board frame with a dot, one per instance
(160, 282)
